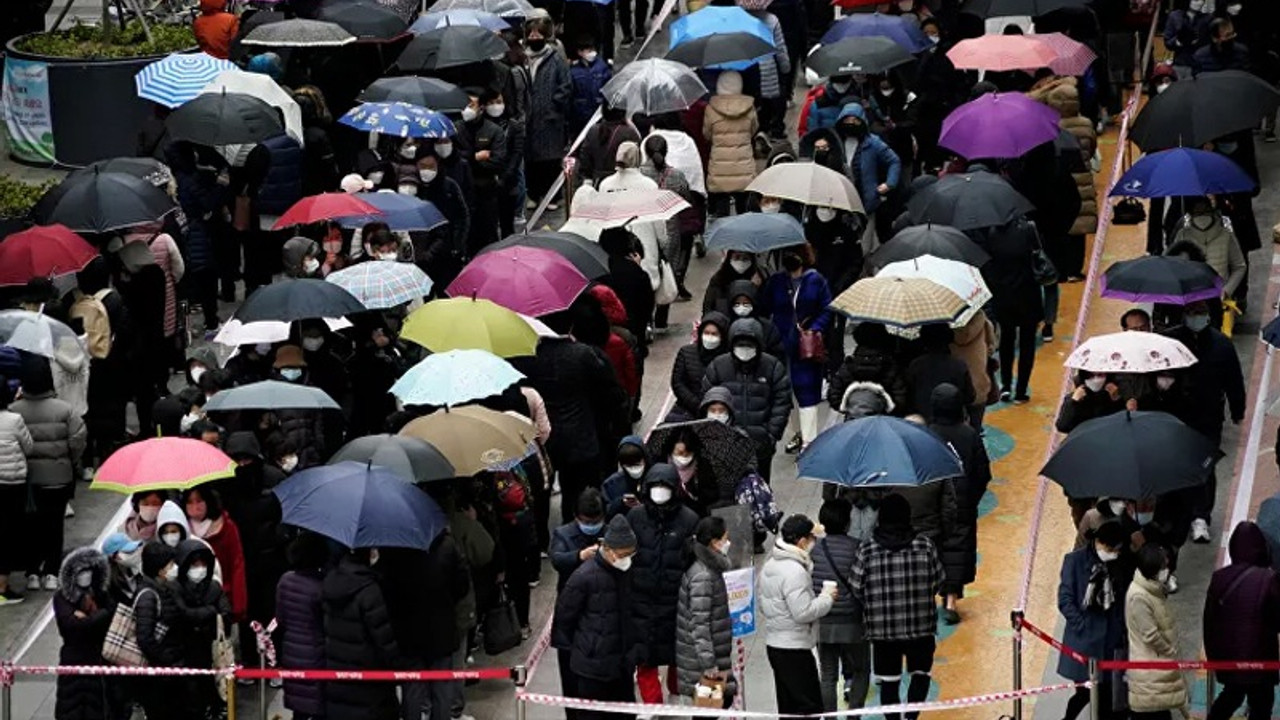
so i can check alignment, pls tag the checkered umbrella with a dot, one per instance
(900, 302)
(383, 284)
(623, 206)
(173, 80)
(960, 278)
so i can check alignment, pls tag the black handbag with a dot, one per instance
(1041, 266)
(501, 627)
(1128, 211)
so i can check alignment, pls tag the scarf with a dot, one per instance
(1100, 594)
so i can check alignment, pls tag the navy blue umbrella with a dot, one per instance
(399, 212)
(896, 28)
(360, 505)
(1183, 172)
(878, 451)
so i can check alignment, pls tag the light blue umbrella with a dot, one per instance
(399, 119)
(461, 16)
(716, 20)
(173, 80)
(755, 232)
(455, 377)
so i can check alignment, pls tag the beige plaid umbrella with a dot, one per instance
(900, 302)
(810, 184)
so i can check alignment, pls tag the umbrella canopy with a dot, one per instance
(163, 463)
(298, 300)
(534, 281)
(960, 278)
(1001, 53)
(1183, 172)
(271, 395)
(968, 202)
(455, 377)
(264, 88)
(942, 241)
(360, 505)
(400, 212)
(39, 334)
(42, 252)
(462, 323)
(900, 302)
(1161, 279)
(501, 8)
(224, 118)
(870, 55)
(1006, 8)
(173, 80)
(234, 333)
(808, 183)
(368, 21)
(1131, 455)
(476, 439)
(398, 119)
(1203, 108)
(322, 207)
(1073, 58)
(461, 17)
(413, 460)
(999, 125)
(431, 93)
(755, 232)
(718, 20)
(1271, 332)
(588, 257)
(299, 32)
(729, 51)
(653, 86)
(621, 207)
(450, 46)
(1131, 351)
(148, 169)
(100, 202)
(893, 27)
(729, 451)
(878, 451)
(382, 284)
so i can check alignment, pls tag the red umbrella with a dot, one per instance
(42, 251)
(325, 206)
(528, 280)
(163, 463)
(1001, 52)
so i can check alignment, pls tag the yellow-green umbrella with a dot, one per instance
(470, 324)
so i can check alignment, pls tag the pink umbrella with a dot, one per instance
(163, 463)
(1074, 58)
(1001, 53)
(531, 281)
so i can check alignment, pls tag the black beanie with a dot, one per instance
(895, 511)
(155, 555)
(618, 534)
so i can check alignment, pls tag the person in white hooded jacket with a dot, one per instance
(172, 528)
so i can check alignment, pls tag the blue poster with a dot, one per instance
(741, 586)
(27, 116)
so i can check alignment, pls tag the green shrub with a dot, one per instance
(87, 42)
(17, 197)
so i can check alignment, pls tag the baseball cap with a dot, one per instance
(119, 542)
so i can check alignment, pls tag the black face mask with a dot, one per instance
(791, 262)
(821, 155)
(855, 131)
(1226, 46)
(535, 45)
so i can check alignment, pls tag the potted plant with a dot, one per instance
(16, 200)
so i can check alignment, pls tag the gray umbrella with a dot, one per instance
(271, 395)
(298, 32)
(225, 118)
(450, 46)
(501, 8)
(414, 459)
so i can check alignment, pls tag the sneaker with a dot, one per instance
(683, 295)
(1171, 584)
(1022, 399)
(794, 444)
(553, 206)
(33, 583)
(9, 597)
(50, 582)
(533, 584)
(1047, 333)
(530, 204)
(1200, 531)
(275, 683)
(87, 474)
(950, 616)
(246, 682)
(70, 512)
(1005, 395)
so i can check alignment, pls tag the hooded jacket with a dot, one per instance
(619, 484)
(200, 604)
(294, 252)
(57, 434)
(357, 636)
(729, 124)
(300, 614)
(154, 608)
(82, 697)
(871, 361)
(747, 288)
(621, 353)
(930, 369)
(717, 296)
(594, 621)
(1217, 243)
(581, 392)
(834, 158)
(716, 395)
(1242, 608)
(15, 445)
(865, 399)
(788, 604)
(873, 162)
(760, 387)
(215, 28)
(691, 364)
(704, 631)
(960, 548)
(1152, 636)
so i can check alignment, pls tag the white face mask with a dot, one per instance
(934, 39)
(170, 572)
(825, 214)
(172, 538)
(739, 265)
(1145, 517)
(660, 494)
(408, 152)
(375, 177)
(187, 421)
(288, 463)
(841, 87)
(1107, 555)
(622, 564)
(1196, 6)
(312, 344)
(681, 461)
(427, 176)
(745, 353)
(495, 110)
(84, 578)
(469, 113)
(710, 342)
(1117, 507)
(1163, 575)
(1164, 383)
(444, 150)
(724, 547)
(148, 513)
(633, 471)
(1161, 88)
(886, 92)
(388, 256)
(1196, 323)
(310, 265)
(407, 189)
(197, 574)
(197, 372)
(722, 417)
(1234, 9)
(262, 348)
(1095, 383)
(742, 309)
(590, 56)
(130, 561)
(291, 374)
(770, 208)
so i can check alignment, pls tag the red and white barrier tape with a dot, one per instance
(539, 649)
(1056, 644)
(1188, 665)
(375, 675)
(8, 671)
(266, 647)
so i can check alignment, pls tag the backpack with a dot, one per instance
(756, 494)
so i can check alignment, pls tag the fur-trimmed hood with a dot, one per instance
(864, 399)
(76, 562)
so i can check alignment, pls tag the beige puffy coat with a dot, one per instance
(729, 124)
(1061, 94)
(973, 344)
(1152, 636)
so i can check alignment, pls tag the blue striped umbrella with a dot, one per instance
(399, 119)
(173, 80)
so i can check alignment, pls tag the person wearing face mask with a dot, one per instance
(445, 249)
(691, 364)
(451, 161)
(729, 125)
(589, 73)
(743, 300)
(82, 610)
(1153, 635)
(621, 490)
(485, 143)
(681, 229)
(873, 166)
(550, 104)
(201, 604)
(701, 487)
(1211, 235)
(1186, 30)
(213, 528)
(300, 257)
(141, 523)
(510, 177)
(824, 103)
(326, 356)
(572, 545)
(704, 632)
(125, 559)
(1224, 51)
(717, 405)
(598, 154)
(842, 645)
(760, 388)
(358, 634)
(159, 625)
(737, 265)
(663, 524)
(1094, 396)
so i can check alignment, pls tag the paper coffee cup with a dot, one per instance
(828, 586)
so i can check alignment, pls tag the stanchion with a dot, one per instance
(1015, 618)
(262, 685)
(1095, 690)
(6, 701)
(230, 680)
(521, 677)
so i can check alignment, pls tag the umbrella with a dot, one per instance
(399, 119)
(455, 377)
(450, 47)
(368, 21)
(163, 463)
(1203, 108)
(298, 300)
(1073, 58)
(755, 232)
(476, 439)
(1006, 8)
(718, 20)
(299, 32)
(271, 395)
(1130, 351)
(1131, 455)
(39, 334)
(148, 169)
(1001, 53)
(621, 207)
(413, 460)
(461, 17)
(501, 8)
(808, 183)
(1183, 172)
(958, 277)
(42, 252)
(100, 202)
(400, 212)
(175, 79)
(381, 284)
(534, 281)
(264, 88)
(942, 241)
(878, 451)
(1161, 279)
(325, 206)
(653, 86)
(968, 202)
(893, 27)
(588, 257)
(900, 302)
(730, 451)
(225, 118)
(730, 51)
(871, 55)
(359, 505)
(459, 323)
(234, 333)
(431, 93)
(998, 125)
(1271, 332)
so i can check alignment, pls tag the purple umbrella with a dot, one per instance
(528, 280)
(998, 125)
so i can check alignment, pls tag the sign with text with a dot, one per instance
(741, 585)
(27, 115)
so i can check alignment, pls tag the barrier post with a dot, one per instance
(230, 680)
(521, 677)
(1015, 618)
(6, 700)
(1095, 690)
(262, 684)
(1210, 688)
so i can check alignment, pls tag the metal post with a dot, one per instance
(230, 680)
(6, 701)
(1015, 618)
(262, 684)
(521, 677)
(1095, 690)
(1210, 688)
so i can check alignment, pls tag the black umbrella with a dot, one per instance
(414, 459)
(432, 93)
(870, 55)
(1162, 279)
(149, 169)
(1131, 455)
(450, 46)
(1203, 108)
(93, 201)
(941, 241)
(367, 20)
(730, 451)
(225, 118)
(586, 256)
(1005, 8)
(298, 300)
(720, 48)
(968, 202)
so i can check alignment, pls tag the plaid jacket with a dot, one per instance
(896, 588)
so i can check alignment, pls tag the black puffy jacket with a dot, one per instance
(834, 554)
(663, 533)
(300, 613)
(577, 385)
(358, 636)
(199, 605)
(761, 388)
(869, 364)
(422, 590)
(691, 364)
(772, 337)
(593, 622)
(960, 555)
(153, 605)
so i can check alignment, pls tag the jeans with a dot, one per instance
(855, 660)
(1261, 698)
(887, 658)
(1025, 338)
(795, 678)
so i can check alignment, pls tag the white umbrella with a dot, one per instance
(39, 334)
(265, 89)
(235, 333)
(1130, 352)
(620, 207)
(810, 184)
(961, 279)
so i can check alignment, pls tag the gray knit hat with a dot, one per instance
(618, 534)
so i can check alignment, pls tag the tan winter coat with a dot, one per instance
(1152, 636)
(1061, 94)
(729, 124)
(973, 344)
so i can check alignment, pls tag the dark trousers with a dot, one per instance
(484, 219)
(887, 660)
(226, 251)
(620, 690)
(795, 679)
(773, 115)
(45, 529)
(1203, 497)
(541, 174)
(13, 508)
(853, 660)
(1024, 336)
(625, 16)
(202, 286)
(574, 478)
(1080, 700)
(522, 562)
(718, 203)
(1072, 257)
(568, 683)
(1261, 698)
